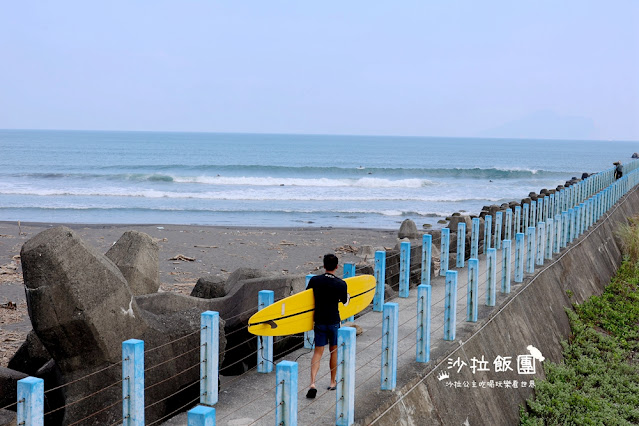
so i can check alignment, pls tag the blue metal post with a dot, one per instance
(427, 243)
(509, 224)
(349, 271)
(550, 234)
(472, 295)
(517, 219)
(461, 244)
(450, 306)
(265, 343)
(577, 221)
(525, 216)
(209, 356)
(540, 209)
(445, 251)
(389, 346)
(488, 231)
(506, 262)
(530, 250)
(30, 409)
(546, 207)
(201, 416)
(565, 223)
(572, 226)
(133, 382)
(557, 234)
(552, 209)
(424, 295)
(380, 278)
(519, 257)
(404, 269)
(345, 392)
(533, 213)
(541, 243)
(309, 336)
(286, 393)
(498, 226)
(491, 276)
(474, 239)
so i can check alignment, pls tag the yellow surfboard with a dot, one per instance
(294, 314)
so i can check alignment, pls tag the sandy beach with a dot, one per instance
(216, 251)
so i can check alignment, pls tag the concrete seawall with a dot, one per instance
(533, 314)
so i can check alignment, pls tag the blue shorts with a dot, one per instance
(326, 334)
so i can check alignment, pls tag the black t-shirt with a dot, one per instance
(328, 291)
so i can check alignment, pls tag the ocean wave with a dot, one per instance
(382, 212)
(201, 173)
(274, 194)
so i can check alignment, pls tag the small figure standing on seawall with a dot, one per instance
(328, 291)
(618, 169)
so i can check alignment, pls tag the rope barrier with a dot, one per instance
(83, 398)
(98, 412)
(179, 409)
(169, 378)
(174, 358)
(84, 377)
(173, 341)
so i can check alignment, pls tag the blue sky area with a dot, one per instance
(532, 69)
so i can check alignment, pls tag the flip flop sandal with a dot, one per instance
(312, 392)
(331, 388)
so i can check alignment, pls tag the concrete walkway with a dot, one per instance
(250, 399)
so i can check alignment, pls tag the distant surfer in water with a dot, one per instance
(328, 291)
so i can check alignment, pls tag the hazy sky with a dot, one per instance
(548, 69)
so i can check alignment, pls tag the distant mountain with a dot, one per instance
(545, 125)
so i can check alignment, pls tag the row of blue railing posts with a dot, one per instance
(380, 278)
(30, 408)
(488, 231)
(474, 239)
(309, 336)
(286, 393)
(349, 271)
(570, 220)
(491, 276)
(209, 357)
(265, 343)
(525, 216)
(427, 257)
(530, 250)
(345, 393)
(450, 306)
(390, 326)
(404, 269)
(517, 219)
(550, 233)
(424, 295)
(519, 257)
(133, 382)
(506, 255)
(201, 416)
(509, 224)
(461, 244)
(445, 251)
(472, 291)
(541, 243)
(498, 226)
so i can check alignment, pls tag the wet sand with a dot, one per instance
(216, 251)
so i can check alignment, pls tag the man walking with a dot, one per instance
(328, 291)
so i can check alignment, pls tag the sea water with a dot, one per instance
(276, 180)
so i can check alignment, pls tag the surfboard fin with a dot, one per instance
(272, 324)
